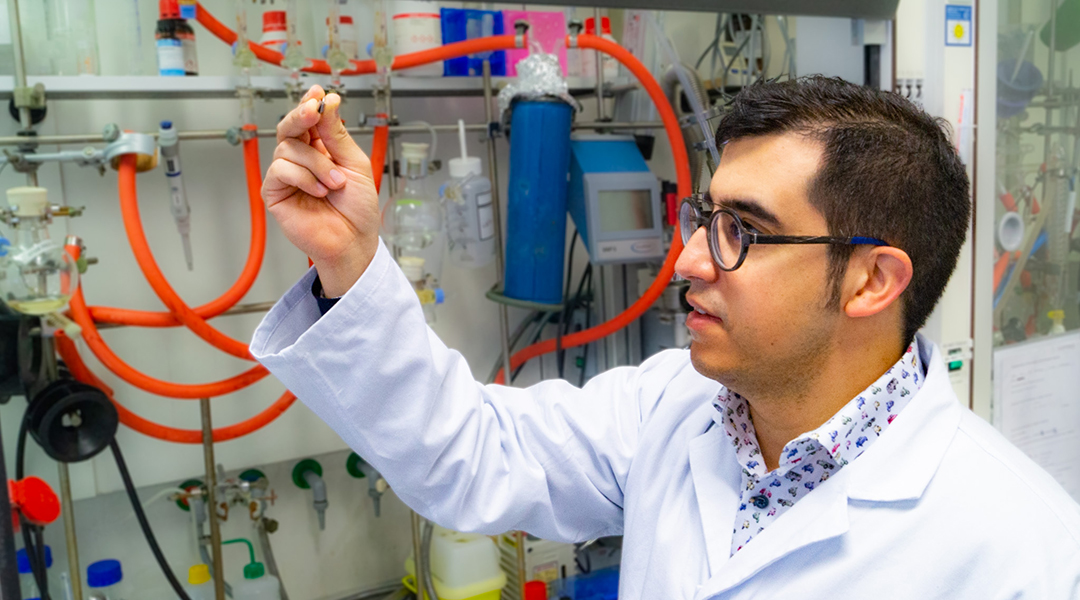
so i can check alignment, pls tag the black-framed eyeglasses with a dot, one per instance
(729, 238)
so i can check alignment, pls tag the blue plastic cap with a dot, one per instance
(104, 573)
(23, 561)
(440, 296)
(166, 124)
(4, 245)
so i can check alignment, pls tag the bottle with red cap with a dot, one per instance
(535, 590)
(348, 41)
(275, 37)
(175, 41)
(608, 63)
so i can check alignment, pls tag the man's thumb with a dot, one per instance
(342, 148)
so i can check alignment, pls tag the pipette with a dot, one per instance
(169, 143)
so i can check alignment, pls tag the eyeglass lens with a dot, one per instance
(724, 237)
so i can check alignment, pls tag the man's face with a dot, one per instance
(766, 323)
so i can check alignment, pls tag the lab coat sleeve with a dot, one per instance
(551, 459)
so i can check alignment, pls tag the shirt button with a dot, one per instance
(760, 501)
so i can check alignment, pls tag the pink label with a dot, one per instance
(547, 28)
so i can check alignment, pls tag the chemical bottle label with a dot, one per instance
(191, 60)
(416, 31)
(170, 55)
(486, 215)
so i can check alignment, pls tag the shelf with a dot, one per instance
(89, 87)
(855, 9)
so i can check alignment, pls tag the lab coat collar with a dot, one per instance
(898, 467)
(902, 463)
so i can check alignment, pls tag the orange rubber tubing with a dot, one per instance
(141, 318)
(682, 171)
(362, 67)
(124, 371)
(81, 372)
(129, 207)
(378, 154)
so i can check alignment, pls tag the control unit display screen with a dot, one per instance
(625, 210)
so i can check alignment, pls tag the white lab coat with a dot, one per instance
(940, 507)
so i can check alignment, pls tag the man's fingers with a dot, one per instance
(313, 160)
(315, 92)
(338, 142)
(284, 176)
(302, 118)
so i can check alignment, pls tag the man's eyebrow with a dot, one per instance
(751, 208)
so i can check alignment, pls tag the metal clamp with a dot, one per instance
(521, 29)
(131, 143)
(574, 29)
(29, 97)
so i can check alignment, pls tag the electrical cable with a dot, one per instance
(514, 339)
(144, 524)
(571, 306)
(35, 555)
(560, 354)
(588, 321)
(43, 565)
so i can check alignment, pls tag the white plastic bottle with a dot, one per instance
(348, 43)
(608, 63)
(257, 585)
(199, 584)
(274, 37)
(413, 223)
(27, 584)
(416, 25)
(105, 578)
(470, 219)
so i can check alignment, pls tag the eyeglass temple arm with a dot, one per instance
(800, 239)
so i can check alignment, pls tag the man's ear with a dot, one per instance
(875, 279)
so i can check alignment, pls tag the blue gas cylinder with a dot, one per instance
(536, 199)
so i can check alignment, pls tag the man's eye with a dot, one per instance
(750, 227)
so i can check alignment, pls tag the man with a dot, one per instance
(808, 445)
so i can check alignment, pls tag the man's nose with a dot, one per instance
(695, 261)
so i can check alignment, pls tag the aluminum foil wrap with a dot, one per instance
(538, 74)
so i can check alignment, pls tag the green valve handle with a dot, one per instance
(187, 485)
(353, 466)
(308, 464)
(252, 475)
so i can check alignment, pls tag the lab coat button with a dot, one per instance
(760, 501)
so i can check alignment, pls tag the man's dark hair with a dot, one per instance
(888, 171)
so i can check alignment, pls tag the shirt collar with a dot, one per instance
(844, 437)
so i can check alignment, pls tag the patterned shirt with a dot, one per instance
(813, 457)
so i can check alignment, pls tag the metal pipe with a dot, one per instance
(20, 59)
(428, 583)
(9, 574)
(67, 510)
(96, 138)
(1049, 82)
(268, 555)
(496, 213)
(520, 535)
(211, 498)
(239, 309)
(600, 112)
(418, 558)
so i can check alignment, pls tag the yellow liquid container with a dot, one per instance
(464, 566)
